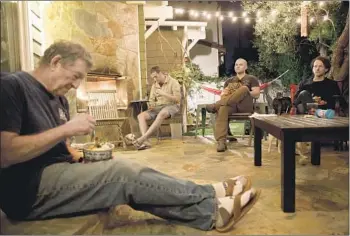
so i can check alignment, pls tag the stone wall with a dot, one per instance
(109, 30)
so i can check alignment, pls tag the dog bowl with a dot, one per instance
(98, 154)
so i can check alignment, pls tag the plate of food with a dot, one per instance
(98, 151)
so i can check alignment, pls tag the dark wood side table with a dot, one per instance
(138, 106)
(292, 129)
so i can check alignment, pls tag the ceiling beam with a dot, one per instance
(179, 23)
(153, 27)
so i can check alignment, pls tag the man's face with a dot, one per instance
(240, 66)
(158, 77)
(67, 76)
(319, 69)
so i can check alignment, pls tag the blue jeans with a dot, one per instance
(74, 188)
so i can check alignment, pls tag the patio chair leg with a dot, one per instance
(250, 134)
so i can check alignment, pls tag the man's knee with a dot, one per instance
(163, 114)
(122, 169)
(305, 93)
(143, 116)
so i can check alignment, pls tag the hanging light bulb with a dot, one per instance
(195, 14)
(259, 19)
(258, 13)
(325, 18)
(221, 18)
(244, 14)
(204, 13)
(234, 19)
(230, 14)
(179, 11)
(274, 12)
(299, 20)
(247, 20)
(209, 16)
(217, 14)
(321, 4)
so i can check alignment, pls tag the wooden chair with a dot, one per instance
(257, 107)
(104, 107)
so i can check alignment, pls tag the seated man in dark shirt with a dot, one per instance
(237, 96)
(317, 87)
(40, 179)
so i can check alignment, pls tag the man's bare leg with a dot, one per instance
(163, 114)
(143, 118)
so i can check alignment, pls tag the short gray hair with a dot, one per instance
(69, 51)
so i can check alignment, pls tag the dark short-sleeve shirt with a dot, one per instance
(27, 108)
(248, 80)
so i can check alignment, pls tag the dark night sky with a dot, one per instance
(237, 37)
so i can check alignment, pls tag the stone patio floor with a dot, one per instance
(322, 193)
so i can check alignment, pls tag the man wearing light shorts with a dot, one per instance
(164, 103)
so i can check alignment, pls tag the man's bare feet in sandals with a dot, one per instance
(140, 144)
(232, 209)
(233, 186)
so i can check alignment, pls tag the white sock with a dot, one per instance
(226, 203)
(238, 188)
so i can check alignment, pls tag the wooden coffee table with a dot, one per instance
(292, 129)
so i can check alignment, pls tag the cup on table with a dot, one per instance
(311, 108)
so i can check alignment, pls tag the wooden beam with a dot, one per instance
(157, 12)
(180, 23)
(194, 42)
(154, 26)
(136, 2)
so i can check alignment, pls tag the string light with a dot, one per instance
(244, 15)
(179, 11)
(274, 12)
(258, 13)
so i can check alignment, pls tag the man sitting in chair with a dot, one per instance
(237, 97)
(164, 102)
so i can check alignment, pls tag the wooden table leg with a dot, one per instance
(197, 120)
(204, 119)
(316, 153)
(288, 175)
(257, 146)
